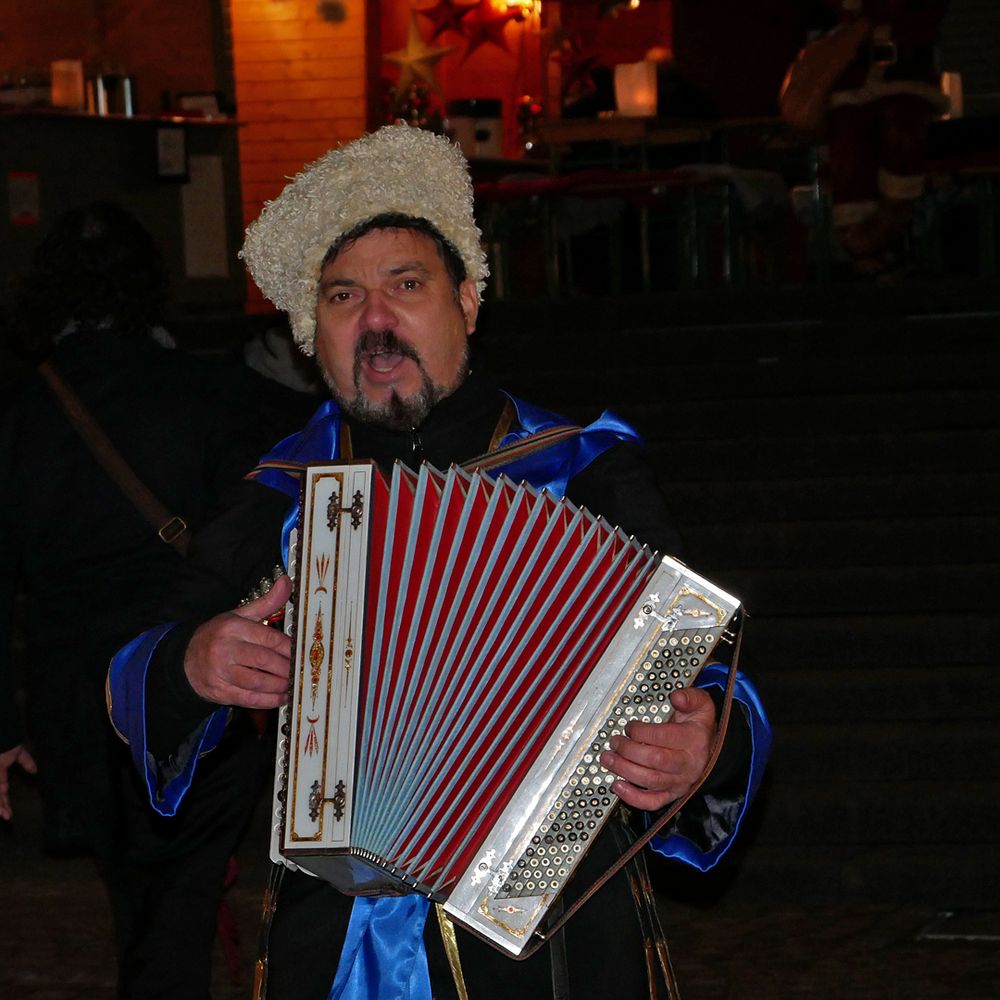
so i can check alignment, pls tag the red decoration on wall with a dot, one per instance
(445, 15)
(577, 65)
(485, 24)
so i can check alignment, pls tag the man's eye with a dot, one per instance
(410, 284)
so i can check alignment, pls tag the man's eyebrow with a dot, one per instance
(404, 267)
(336, 280)
(410, 265)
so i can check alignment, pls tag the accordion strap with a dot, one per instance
(171, 529)
(502, 429)
(655, 948)
(518, 449)
(661, 821)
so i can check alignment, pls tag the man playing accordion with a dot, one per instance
(374, 254)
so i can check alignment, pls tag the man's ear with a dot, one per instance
(468, 300)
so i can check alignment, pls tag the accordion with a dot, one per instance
(463, 650)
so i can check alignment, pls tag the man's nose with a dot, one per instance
(378, 312)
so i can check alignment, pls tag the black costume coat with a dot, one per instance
(603, 943)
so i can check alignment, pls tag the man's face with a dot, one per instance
(391, 336)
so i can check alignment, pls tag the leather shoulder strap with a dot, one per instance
(172, 529)
(517, 449)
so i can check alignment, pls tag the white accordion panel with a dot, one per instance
(318, 732)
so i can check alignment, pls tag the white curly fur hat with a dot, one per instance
(396, 169)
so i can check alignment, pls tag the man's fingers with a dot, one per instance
(658, 762)
(664, 746)
(244, 674)
(25, 760)
(231, 657)
(661, 771)
(253, 688)
(640, 798)
(268, 604)
(16, 755)
(642, 787)
(629, 753)
(692, 705)
(231, 639)
(261, 644)
(5, 810)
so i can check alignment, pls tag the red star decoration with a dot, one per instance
(484, 23)
(444, 16)
(576, 64)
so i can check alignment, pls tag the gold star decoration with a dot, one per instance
(416, 61)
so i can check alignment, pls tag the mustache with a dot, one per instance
(382, 342)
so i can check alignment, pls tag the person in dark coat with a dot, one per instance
(374, 254)
(89, 569)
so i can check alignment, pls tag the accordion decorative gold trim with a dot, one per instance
(463, 650)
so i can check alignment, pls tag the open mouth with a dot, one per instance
(384, 361)
(382, 352)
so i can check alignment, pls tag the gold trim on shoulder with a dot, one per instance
(346, 447)
(450, 940)
(503, 426)
(108, 705)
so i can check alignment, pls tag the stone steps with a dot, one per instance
(661, 365)
(752, 501)
(858, 640)
(722, 418)
(874, 750)
(815, 454)
(838, 468)
(941, 876)
(799, 693)
(831, 544)
(916, 811)
(874, 590)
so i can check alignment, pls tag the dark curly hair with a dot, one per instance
(96, 266)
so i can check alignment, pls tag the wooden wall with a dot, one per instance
(168, 48)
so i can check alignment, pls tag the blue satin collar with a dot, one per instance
(552, 468)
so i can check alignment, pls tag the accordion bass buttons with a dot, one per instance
(534, 850)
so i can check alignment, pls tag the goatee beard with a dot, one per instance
(398, 413)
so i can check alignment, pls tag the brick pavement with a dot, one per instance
(55, 939)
